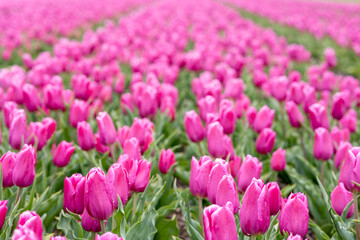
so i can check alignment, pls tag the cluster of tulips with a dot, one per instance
(94, 106)
(314, 17)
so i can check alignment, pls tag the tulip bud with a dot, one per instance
(341, 102)
(24, 233)
(18, 129)
(25, 167)
(107, 131)
(249, 169)
(251, 114)
(340, 197)
(263, 119)
(108, 236)
(341, 153)
(142, 176)
(255, 211)
(219, 169)
(338, 136)
(309, 97)
(132, 149)
(82, 86)
(199, 176)
(85, 136)
(227, 116)
(278, 87)
(241, 105)
(296, 118)
(207, 105)
(193, 126)
(8, 107)
(294, 215)
(53, 97)
(3, 211)
(31, 97)
(318, 116)
(74, 188)
(148, 102)
(37, 133)
(275, 199)
(278, 160)
(100, 147)
(295, 92)
(123, 134)
(63, 153)
(346, 173)
(294, 237)
(90, 224)
(215, 138)
(7, 167)
(349, 121)
(226, 192)
(79, 111)
(219, 223)
(98, 199)
(50, 125)
(234, 88)
(235, 166)
(117, 178)
(126, 103)
(168, 106)
(330, 57)
(120, 84)
(142, 129)
(265, 141)
(32, 221)
(167, 159)
(323, 147)
(131, 167)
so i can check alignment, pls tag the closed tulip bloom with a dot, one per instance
(249, 169)
(265, 141)
(132, 149)
(235, 166)
(90, 224)
(8, 107)
(194, 127)
(341, 103)
(294, 237)
(25, 233)
(251, 114)
(25, 167)
(215, 138)
(118, 181)
(126, 103)
(309, 97)
(219, 223)
(148, 102)
(264, 119)
(207, 105)
(63, 153)
(85, 136)
(131, 167)
(107, 131)
(226, 192)
(53, 97)
(108, 236)
(219, 170)
(50, 125)
(347, 169)
(255, 211)
(101, 148)
(295, 92)
(278, 87)
(318, 116)
(142, 176)
(275, 199)
(98, 199)
(167, 159)
(296, 118)
(79, 111)
(323, 146)
(31, 97)
(3, 211)
(349, 121)
(227, 116)
(168, 107)
(278, 160)
(143, 130)
(74, 189)
(120, 84)
(340, 197)
(37, 133)
(7, 166)
(294, 215)
(234, 88)
(82, 86)
(241, 105)
(341, 154)
(330, 57)
(123, 134)
(18, 129)
(31, 220)
(199, 176)
(339, 136)
(259, 78)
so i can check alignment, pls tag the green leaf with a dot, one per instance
(287, 190)
(167, 228)
(346, 210)
(271, 227)
(71, 228)
(318, 231)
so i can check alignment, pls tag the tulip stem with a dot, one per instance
(102, 223)
(302, 143)
(282, 113)
(357, 228)
(200, 148)
(112, 149)
(134, 207)
(18, 195)
(201, 215)
(253, 237)
(323, 172)
(53, 178)
(93, 235)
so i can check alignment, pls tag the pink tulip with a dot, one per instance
(295, 92)
(142, 129)
(37, 133)
(278, 87)
(193, 126)
(265, 141)
(207, 105)
(249, 169)
(241, 105)
(166, 160)
(226, 192)
(90, 224)
(7, 167)
(85, 136)
(216, 145)
(18, 129)
(294, 237)
(309, 97)
(118, 181)
(349, 121)
(255, 211)
(278, 160)
(82, 86)
(148, 102)
(275, 199)
(142, 176)
(219, 169)
(123, 134)
(79, 111)
(341, 154)
(168, 107)
(199, 176)
(31, 98)
(339, 136)
(63, 153)
(132, 148)
(235, 165)
(219, 223)
(330, 57)
(318, 116)
(296, 118)
(74, 188)
(234, 88)
(8, 108)
(57, 238)
(107, 131)
(323, 147)
(227, 116)
(53, 97)
(31, 220)
(101, 148)
(341, 103)
(108, 236)
(251, 114)
(126, 103)
(25, 233)
(263, 119)
(50, 124)
(340, 197)
(347, 169)
(24, 168)
(3, 211)
(294, 215)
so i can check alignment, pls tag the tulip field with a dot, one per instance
(166, 120)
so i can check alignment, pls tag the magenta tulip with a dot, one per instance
(220, 169)
(265, 141)
(278, 160)
(107, 131)
(341, 103)
(74, 189)
(341, 154)
(25, 233)
(118, 181)
(131, 167)
(323, 146)
(226, 192)
(349, 121)
(108, 236)
(7, 167)
(18, 129)
(132, 148)
(31, 220)
(63, 153)
(31, 97)
(85, 136)
(24, 168)
(296, 118)
(199, 176)
(50, 125)
(215, 137)
(227, 116)
(90, 224)
(3, 211)
(249, 169)
(275, 199)
(79, 111)
(8, 108)
(166, 160)
(142, 176)
(53, 97)
(194, 127)
(278, 87)
(340, 197)
(264, 119)
(235, 165)
(318, 116)
(207, 105)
